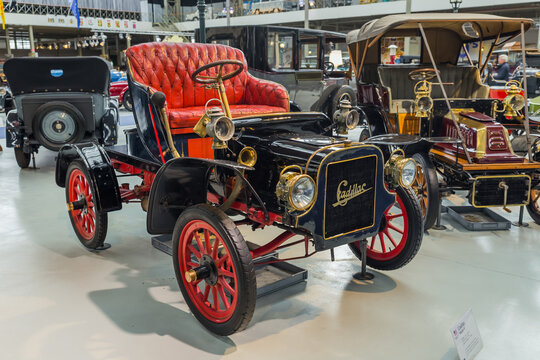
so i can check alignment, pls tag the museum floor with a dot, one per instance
(60, 301)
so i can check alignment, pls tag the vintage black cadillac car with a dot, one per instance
(313, 65)
(204, 174)
(445, 103)
(58, 101)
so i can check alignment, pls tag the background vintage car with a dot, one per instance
(465, 147)
(58, 101)
(313, 65)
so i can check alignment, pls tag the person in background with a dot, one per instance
(503, 70)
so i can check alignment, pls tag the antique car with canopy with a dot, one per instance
(215, 148)
(444, 102)
(313, 65)
(58, 101)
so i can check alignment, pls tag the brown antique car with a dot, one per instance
(410, 81)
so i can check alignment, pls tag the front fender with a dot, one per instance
(98, 164)
(180, 183)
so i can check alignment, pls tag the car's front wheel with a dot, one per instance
(23, 159)
(214, 269)
(127, 101)
(400, 234)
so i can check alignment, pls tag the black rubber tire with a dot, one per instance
(344, 91)
(415, 235)
(101, 219)
(431, 191)
(247, 282)
(127, 101)
(533, 208)
(60, 105)
(23, 159)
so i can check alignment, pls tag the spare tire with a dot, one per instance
(343, 92)
(58, 123)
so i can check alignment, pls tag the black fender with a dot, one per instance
(183, 182)
(98, 164)
(326, 98)
(375, 118)
(294, 107)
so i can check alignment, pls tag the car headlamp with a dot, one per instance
(346, 118)
(516, 101)
(296, 190)
(400, 170)
(215, 124)
(424, 104)
(2, 91)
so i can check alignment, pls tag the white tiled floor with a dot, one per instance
(59, 301)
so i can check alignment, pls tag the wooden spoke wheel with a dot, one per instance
(89, 224)
(534, 205)
(214, 269)
(426, 188)
(400, 234)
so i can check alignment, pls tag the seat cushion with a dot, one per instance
(184, 119)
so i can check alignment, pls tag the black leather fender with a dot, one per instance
(183, 182)
(98, 164)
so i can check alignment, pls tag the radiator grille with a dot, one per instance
(350, 195)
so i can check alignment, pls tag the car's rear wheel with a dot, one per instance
(127, 101)
(89, 223)
(400, 234)
(426, 188)
(23, 159)
(214, 269)
(534, 205)
(58, 123)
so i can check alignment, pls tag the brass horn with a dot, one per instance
(247, 156)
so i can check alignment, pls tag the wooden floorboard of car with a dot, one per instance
(462, 163)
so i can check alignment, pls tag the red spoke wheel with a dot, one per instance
(214, 269)
(534, 205)
(400, 234)
(426, 188)
(89, 223)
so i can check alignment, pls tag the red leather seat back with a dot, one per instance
(167, 67)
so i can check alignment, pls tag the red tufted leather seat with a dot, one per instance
(167, 67)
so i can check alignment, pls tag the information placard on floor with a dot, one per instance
(467, 337)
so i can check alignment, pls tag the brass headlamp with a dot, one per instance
(400, 170)
(346, 118)
(514, 101)
(214, 123)
(423, 102)
(295, 189)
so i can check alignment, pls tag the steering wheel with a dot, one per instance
(329, 66)
(422, 74)
(204, 79)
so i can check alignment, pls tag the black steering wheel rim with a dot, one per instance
(221, 63)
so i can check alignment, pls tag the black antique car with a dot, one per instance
(58, 101)
(313, 65)
(207, 169)
(446, 104)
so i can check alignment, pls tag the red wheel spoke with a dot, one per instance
(390, 238)
(390, 217)
(222, 260)
(224, 272)
(199, 243)
(395, 228)
(372, 242)
(227, 286)
(207, 242)
(194, 251)
(206, 293)
(223, 296)
(381, 239)
(192, 264)
(216, 248)
(215, 298)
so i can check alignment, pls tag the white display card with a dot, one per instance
(467, 337)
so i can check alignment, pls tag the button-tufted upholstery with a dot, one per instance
(167, 67)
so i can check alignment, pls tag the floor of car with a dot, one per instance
(60, 301)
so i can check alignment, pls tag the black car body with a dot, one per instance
(313, 65)
(58, 101)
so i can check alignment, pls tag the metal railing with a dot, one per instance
(39, 9)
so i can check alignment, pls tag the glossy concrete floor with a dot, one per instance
(59, 301)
